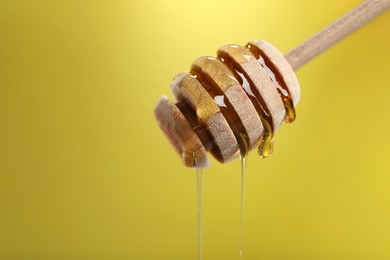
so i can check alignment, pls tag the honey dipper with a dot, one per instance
(235, 102)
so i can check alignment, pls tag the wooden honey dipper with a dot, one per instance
(235, 102)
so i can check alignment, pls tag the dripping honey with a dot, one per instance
(278, 81)
(225, 107)
(201, 131)
(243, 160)
(265, 144)
(199, 210)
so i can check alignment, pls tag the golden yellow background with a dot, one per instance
(85, 173)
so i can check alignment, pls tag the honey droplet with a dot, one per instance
(188, 157)
(266, 146)
(290, 111)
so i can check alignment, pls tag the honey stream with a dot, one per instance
(243, 162)
(199, 210)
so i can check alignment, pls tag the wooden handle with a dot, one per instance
(336, 31)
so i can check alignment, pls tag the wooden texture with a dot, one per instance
(187, 87)
(258, 85)
(233, 97)
(180, 134)
(282, 68)
(336, 31)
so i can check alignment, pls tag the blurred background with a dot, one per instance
(85, 172)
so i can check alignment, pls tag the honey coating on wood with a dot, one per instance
(200, 129)
(277, 79)
(187, 88)
(237, 108)
(242, 60)
(266, 140)
(233, 57)
(232, 103)
(180, 134)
